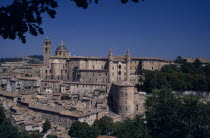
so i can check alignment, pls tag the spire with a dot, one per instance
(110, 54)
(128, 55)
(62, 43)
(128, 52)
(110, 51)
(47, 40)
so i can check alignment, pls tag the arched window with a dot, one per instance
(119, 67)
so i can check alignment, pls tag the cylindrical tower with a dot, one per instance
(110, 62)
(56, 71)
(124, 96)
(128, 63)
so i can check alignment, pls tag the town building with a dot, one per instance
(69, 88)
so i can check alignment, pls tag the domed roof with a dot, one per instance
(55, 61)
(61, 47)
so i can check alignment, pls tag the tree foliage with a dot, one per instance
(105, 125)
(170, 115)
(83, 130)
(46, 126)
(160, 115)
(2, 115)
(131, 128)
(7, 130)
(179, 60)
(25, 16)
(187, 76)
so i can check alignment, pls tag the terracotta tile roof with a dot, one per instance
(51, 80)
(18, 117)
(83, 83)
(9, 94)
(203, 60)
(44, 107)
(27, 78)
(83, 113)
(6, 77)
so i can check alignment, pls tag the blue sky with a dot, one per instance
(153, 28)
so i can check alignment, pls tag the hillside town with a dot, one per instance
(65, 88)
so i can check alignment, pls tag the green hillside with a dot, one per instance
(33, 59)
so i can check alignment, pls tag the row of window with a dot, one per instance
(102, 80)
(98, 74)
(93, 66)
(126, 108)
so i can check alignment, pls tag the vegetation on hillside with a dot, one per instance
(181, 77)
(15, 59)
(34, 59)
(167, 116)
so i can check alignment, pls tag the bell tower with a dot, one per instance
(47, 50)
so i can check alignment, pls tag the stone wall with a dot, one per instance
(123, 99)
(94, 76)
(153, 64)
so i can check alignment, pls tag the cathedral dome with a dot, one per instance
(61, 50)
(61, 47)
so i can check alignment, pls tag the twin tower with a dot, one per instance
(122, 67)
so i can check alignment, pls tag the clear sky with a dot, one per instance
(153, 28)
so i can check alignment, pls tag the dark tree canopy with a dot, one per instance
(187, 76)
(172, 116)
(25, 16)
(46, 126)
(105, 124)
(83, 130)
(179, 60)
(2, 115)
